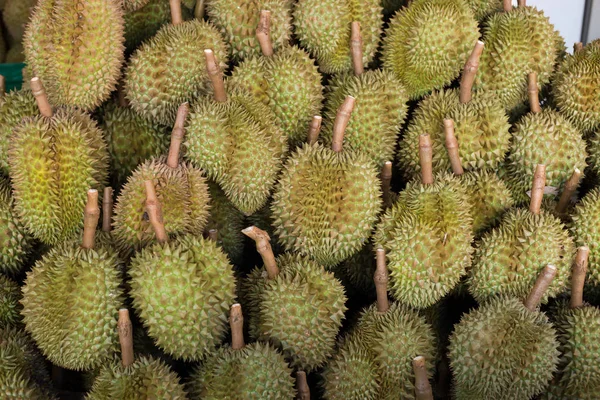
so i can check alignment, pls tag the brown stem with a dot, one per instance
(522, 3)
(507, 5)
(423, 389)
(540, 287)
(578, 276)
(37, 88)
(302, 386)
(386, 183)
(469, 72)
(2, 85)
(426, 159)
(537, 189)
(154, 210)
(125, 337)
(263, 33)
(452, 147)
(341, 122)
(568, 192)
(213, 235)
(263, 246)
(314, 129)
(177, 135)
(216, 76)
(381, 282)
(533, 92)
(91, 215)
(356, 48)
(176, 17)
(236, 322)
(107, 209)
(199, 9)
(577, 47)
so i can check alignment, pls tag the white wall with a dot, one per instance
(594, 32)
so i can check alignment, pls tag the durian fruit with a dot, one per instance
(294, 303)
(54, 158)
(594, 153)
(543, 137)
(356, 273)
(15, 16)
(518, 41)
(324, 28)
(505, 349)
(427, 235)
(10, 308)
(181, 289)
(181, 188)
(327, 200)
(483, 9)
(250, 372)
(586, 231)
(509, 258)
(76, 48)
(235, 140)
(427, 43)
(170, 68)
(576, 87)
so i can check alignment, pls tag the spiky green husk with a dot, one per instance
(182, 193)
(182, 291)
(146, 378)
(323, 28)
(237, 20)
(594, 152)
(289, 83)
(543, 138)
(239, 146)
(379, 112)
(427, 235)
(14, 107)
(502, 351)
(133, 5)
(485, 8)
(53, 162)
(131, 140)
(76, 48)
(10, 308)
(586, 231)
(15, 16)
(481, 128)
(326, 203)
(517, 43)
(255, 372)
(170, 69)
(228, 222)
(509, 258)
(576, 87)
(426, 45)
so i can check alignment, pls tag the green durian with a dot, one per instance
(133, 5)
(76, 49)
(586, 231)
(14, 107)
(485, 8)
(323, 27)
(15, 16)
(15, 54)
(593, 150)
(10, 308)
(427, 44)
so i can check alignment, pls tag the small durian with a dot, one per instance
(10, 308)
(15, 16)
(251, 372)
(427, 43)
(586, 231)
(505, 350)
(76, 48)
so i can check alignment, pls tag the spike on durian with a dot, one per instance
(263, 33)
(154, 210)
(423, 389)
(341, 122)
(356, 48)
(452, 147)
(578, 276)
(386, 184)
(539, 288)
(469, 71)
(236, 322)
(91, 215)
(533, 93)
(107, 209)
(568, 192)
(125, 330)
(537, 189)
(425, 158)
(216, 76)
(314, 129)
(263, 246)
(39, 92)
(302, 386)
(381, 282)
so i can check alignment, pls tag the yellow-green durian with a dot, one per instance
(15, 16)
(586, 231)
(14, 107)
(10, 308)
(485, 8)
(593, 150)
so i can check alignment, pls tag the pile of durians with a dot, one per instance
(277, 199)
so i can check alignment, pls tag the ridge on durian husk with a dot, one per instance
(14, 107)
(586, 232)
(10, 307)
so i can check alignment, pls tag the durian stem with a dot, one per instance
(153, 208)
(107, 209)
(263, 246)
(216, 76)
(314, 129)
(199, 10)
(381, 282)
(578, 276)
(236, 322)
(176, 16)
(470, 70)
(539, 288)
(2, 85)
(568, 192)
(522, 3)
(341, 122)
(423, 389)
(263, 33)
(302, 386)
(177, 135)
(386, 183)
(537, 189)
(426, 159)
(452, 147)
(91, 215)
(507, 5)
(213, 235)
(125, 337)
(37, 88)
(356, 48)
(577, 47)
(533, 92)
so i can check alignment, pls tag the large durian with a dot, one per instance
(14, 107)
(586, 231)
(10, 308)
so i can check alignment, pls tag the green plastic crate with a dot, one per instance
(13, 75)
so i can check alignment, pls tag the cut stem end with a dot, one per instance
(91, 215)
(125, 337)
(356, 48)
(263, 246)
(537, 189)
(423, 389)
(154, 210)
(470, 70)
(37, 88)
(426, 159)
(107, 209)
(578, 276)
(314, 129)
(341, 123)
(452, 147)
(263, 33)
(302, 386)
(216, 76)
(381, 282)
(533, 92)
(539, 288)
(236, 322)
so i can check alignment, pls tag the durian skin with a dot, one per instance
(237, 21)
(256, 372)
(323, 28)
(379, 112)
(53, 163)
(182, 291)
(133, 5)
(427, 235)
(426, 45)
(14, 106)
(10, 308)
(509, 258)
(485, 8)
(170, 69)
(326, 203)
(586, 232)
(594, 153)
(502, 351)
(356, 273)
(83, 70)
